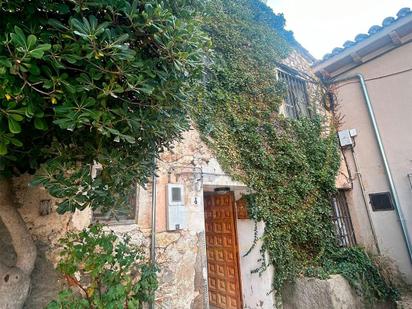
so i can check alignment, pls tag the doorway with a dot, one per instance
(222, 251)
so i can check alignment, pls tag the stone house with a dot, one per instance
(372, 77)
(202, 231)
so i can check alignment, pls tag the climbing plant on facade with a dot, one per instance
(85, 82)
(290, 165)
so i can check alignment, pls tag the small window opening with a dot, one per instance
(296, 97)
(381, 201)
(345, 233)
(125, 213)
(176, 194)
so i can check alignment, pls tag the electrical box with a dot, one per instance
(176, 210)
(345, 138)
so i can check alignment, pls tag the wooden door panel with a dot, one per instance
(222, 251)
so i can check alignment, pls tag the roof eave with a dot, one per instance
(392, 36)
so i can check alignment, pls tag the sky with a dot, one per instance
(322, 25)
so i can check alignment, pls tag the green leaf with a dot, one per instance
(38, 52)
(3, 149)
(38, 180)
(34, 69)
(29, 110)
(16, 117)
(56, 24)
(14, 126)
(63, 207)
(31, 41)
(40, 124)
(5, 62)
(16, 142)
(79, 27)
(129, 139)
(20, 111)
(18, 38)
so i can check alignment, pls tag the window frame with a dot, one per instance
(294, 82)
(122, 220)
(170, 188)
(375, 203)
(342, 221)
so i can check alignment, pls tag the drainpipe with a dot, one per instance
(384, 158)
(153, 232)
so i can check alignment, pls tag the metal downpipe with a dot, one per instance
(385, 161)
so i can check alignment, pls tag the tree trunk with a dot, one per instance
(15, 280)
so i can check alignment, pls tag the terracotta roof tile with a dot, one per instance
(372, 30)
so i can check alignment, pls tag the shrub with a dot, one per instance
(103, 271)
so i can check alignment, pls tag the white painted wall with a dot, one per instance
(256, 288)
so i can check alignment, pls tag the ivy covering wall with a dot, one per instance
(289, 165)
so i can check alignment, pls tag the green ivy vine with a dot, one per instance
(289, 165)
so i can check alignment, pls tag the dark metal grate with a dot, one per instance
(296, 98)
(381, 201)
(342, 220)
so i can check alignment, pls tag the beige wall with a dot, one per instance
(391, 98)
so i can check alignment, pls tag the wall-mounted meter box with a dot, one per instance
(176, 210)
(345, 138)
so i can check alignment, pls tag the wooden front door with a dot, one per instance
(222, 251)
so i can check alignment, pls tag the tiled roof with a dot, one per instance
(372, 30)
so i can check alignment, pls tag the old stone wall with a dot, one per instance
(313, 293)
(179, 254)
(38, 210)
(333, 293)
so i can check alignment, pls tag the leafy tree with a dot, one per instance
(84, 82)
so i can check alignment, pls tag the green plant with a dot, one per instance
(86, 81)
(104, 271)
(290, 165)
(362, 272)
(90, 83)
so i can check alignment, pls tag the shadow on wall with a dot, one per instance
(45, 281)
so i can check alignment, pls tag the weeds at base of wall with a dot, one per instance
(372, 280)
(104, 271)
